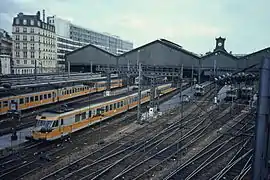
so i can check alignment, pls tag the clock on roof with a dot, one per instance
(220, 44)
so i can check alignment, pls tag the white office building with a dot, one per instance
(71, 37)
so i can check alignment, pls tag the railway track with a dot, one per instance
(122, 151)
(157, 161)
(26, 168)
(223, 145)
(58, 149)
(35, 154)
(71, 170)
(27, 119)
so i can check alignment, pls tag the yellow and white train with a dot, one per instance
(36, 99)
(57, 124)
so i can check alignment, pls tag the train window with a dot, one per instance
(111, 107)
(0, 104)
(100, 110)
(26, 99)
(106, 108)
(90, 114)
(41, 97)
(77, 117)
(62, 122)
(36, 98)
(32, 99)
(73, 90)
(114, 106)
(55, 123)
(45, 96)
(5, 103)
(118, 104)
(70, 91)
(21, 100)
(49, 95)
(83, 115)
(122, 103)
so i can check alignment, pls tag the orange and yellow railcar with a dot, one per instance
(53, 125)
(36, 99)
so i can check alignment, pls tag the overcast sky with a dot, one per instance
(194, 24)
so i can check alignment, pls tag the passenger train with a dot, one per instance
(244, 93)
(53, 125)
(232, 94)
(36, 99)
(200, 90)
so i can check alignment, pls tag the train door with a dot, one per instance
(62, 127)
(13, 105)
(53, 96)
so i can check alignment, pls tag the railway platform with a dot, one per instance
(175, 100)
(5, 140)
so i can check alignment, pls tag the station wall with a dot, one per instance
(163, 53)
(160, 54)
(222, 59)
(84, 56)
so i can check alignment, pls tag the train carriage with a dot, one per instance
(247, 92)
(232, 94)
(56, 124)
(199, 90)
(36, 99)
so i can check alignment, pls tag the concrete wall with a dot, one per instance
(253, 59)
(89, 53)
(222, 61)
(159, 54)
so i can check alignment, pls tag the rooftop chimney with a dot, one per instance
(38, 14)
(43, 15)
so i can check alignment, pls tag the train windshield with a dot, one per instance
(231, 92)
(45, 124)
(199, 89)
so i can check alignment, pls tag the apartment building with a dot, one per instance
(5, 52)
(34, 42)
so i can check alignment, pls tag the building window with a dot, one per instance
(32, 30)
(32, 61)
(25, 61)
(17, 46)
(25, 54)
(32, 46)
(17, 29)
(24, 45)
(17, 61)
(32, 38)
(25, 38)
(32, 55)
(32, 22)
(25, 30)
(17, 21)
(38, 23)
(17, 54)
(17, 37)
(24, 22)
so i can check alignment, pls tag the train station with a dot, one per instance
(154, 112)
